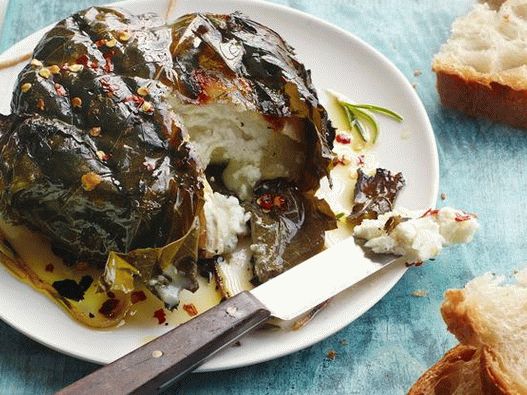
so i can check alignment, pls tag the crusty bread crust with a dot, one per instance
(458, 318)
(488, 318)
(481, 98)
(495, 379)
(444, 377)
(463, 321)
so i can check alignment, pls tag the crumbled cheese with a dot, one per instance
(420, 236)
(225, 220)
(420, 293)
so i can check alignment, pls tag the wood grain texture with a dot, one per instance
(153, 367)
(482, 170)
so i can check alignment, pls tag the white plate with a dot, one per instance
(338, 60)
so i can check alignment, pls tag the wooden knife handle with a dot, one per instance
(160, 363)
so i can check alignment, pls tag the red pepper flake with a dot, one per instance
(41, 105)
(150, 165)
(430, 212)
(360, 160)
(138, 101)
(160, 315)
(49, 267)
(83, 59)
(190, 309)
(463, 217)
(137, 296)
(100, 43)
(60, 90)
(343, 138)
(94, 64)
(81, 266)
(108, 87)
(265, 201)
(276, 123)
(109, 307)
(340, 160)
(103, 155)
(108, 67)
(279, 201)
(416, 264)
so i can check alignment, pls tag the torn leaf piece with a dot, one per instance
(166, 271)
(420, 236)
(289, 233)
(72, 289)
(374, 195)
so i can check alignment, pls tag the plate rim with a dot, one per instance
(379, 57)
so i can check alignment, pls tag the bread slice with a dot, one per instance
(457, 373)
(482, 68)
(493, 318)
(489, 318)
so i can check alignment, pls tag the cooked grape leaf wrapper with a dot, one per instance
(232, 59)
(94, 158)
(85, 311)
(374, 195)
(166, 270)
(286, 236)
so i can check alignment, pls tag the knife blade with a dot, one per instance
(155, 366)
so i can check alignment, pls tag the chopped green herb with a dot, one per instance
(361, 119)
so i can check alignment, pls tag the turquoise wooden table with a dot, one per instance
(483, 170)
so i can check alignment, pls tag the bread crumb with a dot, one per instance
(420, 293)
(331, 355)
(443, 196)
(417, 72)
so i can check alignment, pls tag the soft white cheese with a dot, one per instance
(225, 220)
(421, 235)
(169, 285)
(245, 142)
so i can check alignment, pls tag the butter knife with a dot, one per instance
(158, 364)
